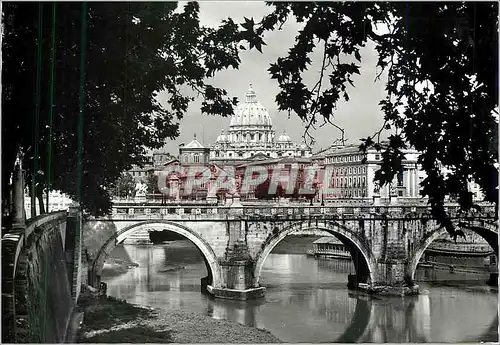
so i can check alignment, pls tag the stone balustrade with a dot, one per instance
(295, 211)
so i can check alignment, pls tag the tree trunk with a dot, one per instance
(39, 196)
(33, 205)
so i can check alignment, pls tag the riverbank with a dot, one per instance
(110, 320)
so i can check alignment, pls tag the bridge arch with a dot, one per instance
(213, 267)
(352, 241)
(488, 230)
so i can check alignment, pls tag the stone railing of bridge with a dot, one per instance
(292, 211)
(275, 202)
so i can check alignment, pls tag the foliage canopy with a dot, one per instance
(441, 59)
(132, 51)
(442, 88)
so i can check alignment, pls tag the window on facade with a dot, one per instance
(377, 157)
(196, 158)
(268, 154)
(252, 136)
(240, 154)
(230, 154)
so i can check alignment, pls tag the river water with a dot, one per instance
(307, 299)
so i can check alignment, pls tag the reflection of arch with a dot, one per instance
(345, 235)
(213, 268)
(487, 230)
(359, 322)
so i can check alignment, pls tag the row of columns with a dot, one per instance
(412, 183)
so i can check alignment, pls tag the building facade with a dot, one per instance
(57, 202)
(251, 133)
(352, 173)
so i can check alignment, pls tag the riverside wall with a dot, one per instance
(37, 290)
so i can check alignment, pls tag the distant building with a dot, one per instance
(57, 202)
(281, 168)
(141, 174)
(352, 174)
(160, 157)
(194, 153)
(251, 133)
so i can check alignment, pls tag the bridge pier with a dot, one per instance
(238, 278)
(237, 272)
(392, 279)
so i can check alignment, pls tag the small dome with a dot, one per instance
(284, 138)
(250, 113)
(222, 137)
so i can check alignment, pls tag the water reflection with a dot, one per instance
(307, 301)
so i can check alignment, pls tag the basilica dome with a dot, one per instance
(251, 112)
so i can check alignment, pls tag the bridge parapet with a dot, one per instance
(34, 257)
(203, 212)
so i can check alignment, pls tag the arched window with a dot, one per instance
(196, 158)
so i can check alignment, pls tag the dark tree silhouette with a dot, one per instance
(131, 52)
(442, 88)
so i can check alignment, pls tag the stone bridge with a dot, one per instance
(386, 242)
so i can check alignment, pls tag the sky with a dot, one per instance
(360, 116)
